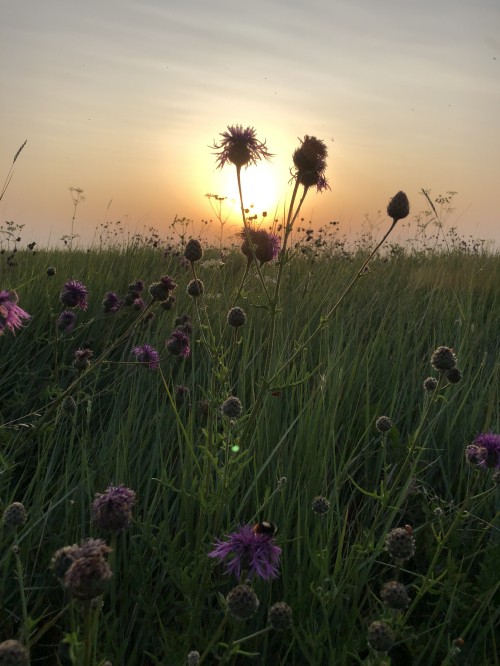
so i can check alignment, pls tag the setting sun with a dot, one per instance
(261, 191)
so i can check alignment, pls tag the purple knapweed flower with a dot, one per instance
(484, 452)
(66, 321)
(111, 302)
(112, 510)
(178, 343)
(310, 163)
(11, 315)
(240, 147)
(74, 295)
(248, 552)
(147, 355)
(265, 245)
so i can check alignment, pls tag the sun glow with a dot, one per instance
(259, 187)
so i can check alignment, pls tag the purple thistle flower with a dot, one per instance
(246, 551)
(74, 295)
(310, 163)
(66, 321)
(178, 343)
(484, 452)
(11, 315)
(112, 510)
(147, 355)
(265, 245)
(240, 147)
(111, 303)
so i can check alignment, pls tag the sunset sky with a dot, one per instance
(122, 98)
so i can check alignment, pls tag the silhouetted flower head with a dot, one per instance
(265, 245)
(454, 375)
(443, 359)
(183, 322)
(310, 163)
(430, 384)
(280, 616)
(398, 207)
(320, 505)
(51, 271)
(193, 250)
(195, 288)
(87, 577)
(11, 315)
(232, 407)
(394, 595)
(14, 515)
(380, 636)
(82, 358)
(178, 343)
(66, 321)
(484, 452)
(136, 287)
(400, 544)
(242, 602)
(74, 295)
(240, 147)
(246, 551)
(64, 557)
(112, 510)
(236, 317)
(111, 303)
(383, 424)
(147, 355)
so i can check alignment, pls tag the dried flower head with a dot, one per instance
(111, 303)
(265, 245)
(454, 375)
(248, 551)
(82, 358)
(112, 510)
(383, 424)
(310, 163)
(398, 207)
(193, 658)
(183, 323)
(11, 315)
(13, 653)
(320, 505)
(193, 250)
(66, 321)
(443, 359)
(232, 407)
(484, 452)
(195, 288)
(51, 271)
(280, 616)
(178, 343)
(87, 577)
(400, 544)
(74, 295)
(380, 636)
(242, 602)
(147, 355)
(14, 515)
(394, 595)
(63, 559)
(240, 147)
(430, 384)
(236, 317)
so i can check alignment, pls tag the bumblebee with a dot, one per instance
(265, 527)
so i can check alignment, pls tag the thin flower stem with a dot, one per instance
(22, 593)
(215, 637)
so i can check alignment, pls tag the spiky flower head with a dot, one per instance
(236, 317)
(232, 407)
(320, 505)
(11, 315)
(454, 375)
(394, 595)
(484, 452)
(400, 544)
(430, 384)
(87, 577)
(82, 358)
(310, 163)
(248, 551)
(443, 359)
(51, 271)
(193, 250)
(13, 653)
(265, 245)
(111, 302)
(383, 424)
(66, 321)
(74, 295)
(380, 636)
(112, 510)
(178, 343)
(14, 515)
(242, 602)
(195, 288)
(147, 355)
(240, 147)
(398, 207)
(280, 616)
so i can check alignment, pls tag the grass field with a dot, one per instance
(312, 377)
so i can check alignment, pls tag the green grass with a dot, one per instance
(307, 429)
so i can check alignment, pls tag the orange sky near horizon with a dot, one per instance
(124, 98)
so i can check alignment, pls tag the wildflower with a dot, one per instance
(383, 424)
(136, 287)
(169, 303)
(147, 355)
(63, 559)
(394, 595)
(453, 375)
(193, 250)
(400, 544)
(380, 636)
(11, 315)
(181, 395)
(183, 323)
(232, 407)
(484, 452)
(320, 505)
(178, 343)
(51, 271)
(87, 577)
(82, 359)
(138, 304)
(236, 317)
(14, 515)
(248, 551)
(13, 653)
(195, 288)
(430, 384)
(240, 147)
(398, 207)
(443, 359)
(242, 602)
(193, 658)
(310, 163)
(111, 303)
(265, 245)
(112, 510)
(74, 295)
(66, 321)
(280, 616)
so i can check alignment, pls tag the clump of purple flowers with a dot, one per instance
(74, 295)
(265, 245)
(147, 355)
(112, 510)
(248, 552)
(240, 147)
(178, 343)
(11, 315)
(111, 302)
(484, 452)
